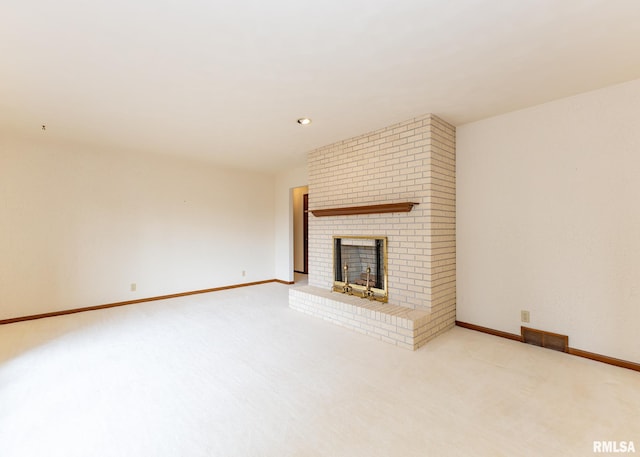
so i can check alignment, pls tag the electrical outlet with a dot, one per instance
(244, 273)
(133, 287)
(524, 316)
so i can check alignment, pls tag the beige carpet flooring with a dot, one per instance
(237, 373)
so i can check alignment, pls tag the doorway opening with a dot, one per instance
(301, 230)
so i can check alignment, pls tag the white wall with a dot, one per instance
(548, 220)
(298, 227)
(285, 182)
(79, 227)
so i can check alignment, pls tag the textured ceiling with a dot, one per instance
(226, 80)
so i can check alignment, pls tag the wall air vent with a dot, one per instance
(545, 339)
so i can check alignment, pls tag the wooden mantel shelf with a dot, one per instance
(404, 207)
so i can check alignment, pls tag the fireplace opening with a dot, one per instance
(360, 266)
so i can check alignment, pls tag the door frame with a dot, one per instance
(305, 229)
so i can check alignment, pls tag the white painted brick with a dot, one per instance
(410, 161)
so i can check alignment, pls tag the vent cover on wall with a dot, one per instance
(545, 339)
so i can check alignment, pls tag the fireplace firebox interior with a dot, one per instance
(360, 266)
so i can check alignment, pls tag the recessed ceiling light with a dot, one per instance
(304, 121)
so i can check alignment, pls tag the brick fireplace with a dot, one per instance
(413, 161)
